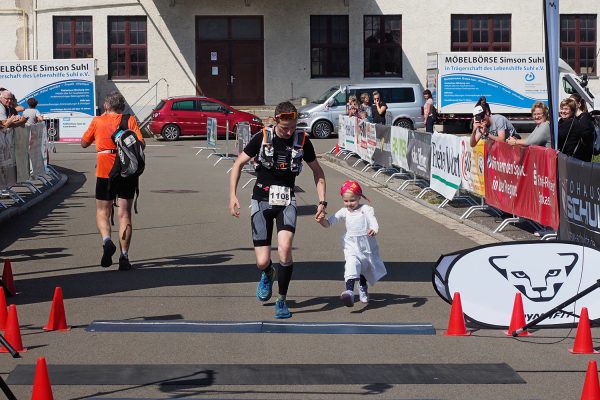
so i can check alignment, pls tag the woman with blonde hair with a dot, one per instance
(574, 139)
(541, 134)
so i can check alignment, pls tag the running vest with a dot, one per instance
(267, 158)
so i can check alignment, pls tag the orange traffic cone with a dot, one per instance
(12, 333)
(41, 382)
(7, 279)
(456, 325)
(591, 388)
(337, 148)
(517, 320)
(583, 337)
(57, 320)
(3, 310)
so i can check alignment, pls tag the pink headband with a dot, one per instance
(354, 187)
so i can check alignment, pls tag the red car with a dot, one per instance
(187, 115)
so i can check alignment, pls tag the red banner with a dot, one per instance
(522, 181)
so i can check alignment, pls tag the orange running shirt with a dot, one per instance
(100, 131)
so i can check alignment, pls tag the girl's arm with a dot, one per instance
(369, 213)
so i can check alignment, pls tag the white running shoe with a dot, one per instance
(363, 294)
(347, 298)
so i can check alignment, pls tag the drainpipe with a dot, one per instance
(35, 31)
(25, 25)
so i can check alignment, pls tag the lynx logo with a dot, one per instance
(539, 279)
(546, 274)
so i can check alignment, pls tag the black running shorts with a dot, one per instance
(263, 215)
(123, 188)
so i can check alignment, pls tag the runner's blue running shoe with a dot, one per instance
(281, 310)
(264, 290)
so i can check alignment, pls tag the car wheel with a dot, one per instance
(404, 123)
(171, 132)
(322, 129)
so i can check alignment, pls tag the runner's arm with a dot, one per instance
(234, 178)
(319, 177)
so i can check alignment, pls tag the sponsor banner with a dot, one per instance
(383, 153)
(38, 149)
(522, 181)
(545, 273)
(551, 40)
(71, 129)
(371, 134)
(472, 166)
(211, 131)
(8, 165)
(399, 148)
(511, 82)
(445, 164)
(419, 153)
(347, 135)
(62, 87)
(21, 143)
(361, 139)
(580, 201)
(243, 136)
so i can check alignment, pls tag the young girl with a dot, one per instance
(360, 248)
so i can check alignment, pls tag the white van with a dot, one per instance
(404, 100)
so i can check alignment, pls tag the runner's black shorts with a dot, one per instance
(123, 188)
(265, 215)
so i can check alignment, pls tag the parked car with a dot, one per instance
(404, 100)
(187, 116)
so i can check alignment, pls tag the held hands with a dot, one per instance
(320, 215)
(234, 206)
(371, 232)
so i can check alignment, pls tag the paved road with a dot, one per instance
(194, 262)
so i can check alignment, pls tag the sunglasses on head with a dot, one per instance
(287, 116)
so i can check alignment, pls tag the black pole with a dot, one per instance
(558, 307)
(8, 346)
(4, 387)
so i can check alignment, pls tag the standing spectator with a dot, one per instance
(484, 104)
(9, 117)
(494, 127)
(541, 134)
(379, 109)
(574, 139)
(428, 110)
(352, 106)
(100, 131)
(279, 152)
(584, 119)
(32, 114)
(366, 106)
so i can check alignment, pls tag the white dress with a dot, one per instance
(360, 250)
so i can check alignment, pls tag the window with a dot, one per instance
(383, 45)
(210, 106)
(73, 37)
(578, 42)
(184, 105)
(127, 48)
(329, 56)
(480, 32)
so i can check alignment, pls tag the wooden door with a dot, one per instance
(247, 86)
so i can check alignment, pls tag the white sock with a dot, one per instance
(105, 239)
(124, 253)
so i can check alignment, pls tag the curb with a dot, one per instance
(15, 210)
(481, 228)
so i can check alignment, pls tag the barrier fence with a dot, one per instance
(24, 162)
(522, 181)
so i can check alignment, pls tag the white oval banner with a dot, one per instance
(545, 273)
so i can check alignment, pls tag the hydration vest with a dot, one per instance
(268, 159)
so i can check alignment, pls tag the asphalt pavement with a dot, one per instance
(194, 262)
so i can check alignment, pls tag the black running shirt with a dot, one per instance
(280, 174)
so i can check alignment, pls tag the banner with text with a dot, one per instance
(445, 164)
(382, 154)
(579, 201)
(472, 166)
(8, 164)
(419, 153)
(522, 181)
(399, 148)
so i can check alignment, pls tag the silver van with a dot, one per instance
(404, 100)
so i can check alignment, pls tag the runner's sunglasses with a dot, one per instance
(287, 116)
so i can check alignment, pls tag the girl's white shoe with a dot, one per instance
(363, 294)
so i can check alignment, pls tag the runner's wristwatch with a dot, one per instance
(323, 203)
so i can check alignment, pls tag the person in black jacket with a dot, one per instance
(575, 135)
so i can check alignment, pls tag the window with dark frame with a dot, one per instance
(578, 42)
(72, 37)
(127, 47)
(382, 45)
(480, 32)
(329, 54)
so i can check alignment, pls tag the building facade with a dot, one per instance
(253, 52)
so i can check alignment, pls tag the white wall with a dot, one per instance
(171, 36)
